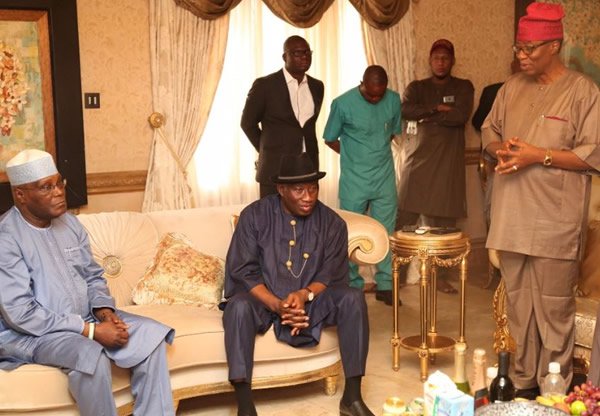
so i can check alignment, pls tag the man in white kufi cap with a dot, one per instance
(60, 313)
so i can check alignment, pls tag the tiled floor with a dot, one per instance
(380, 381)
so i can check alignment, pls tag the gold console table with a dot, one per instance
(433, 250)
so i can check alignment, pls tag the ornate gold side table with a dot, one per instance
(448, 250)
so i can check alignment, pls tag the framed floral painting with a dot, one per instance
(40, 89)
(26, 108)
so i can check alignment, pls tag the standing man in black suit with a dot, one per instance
(281, 111)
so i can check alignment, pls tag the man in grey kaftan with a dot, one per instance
(544, 131)
(55, 308)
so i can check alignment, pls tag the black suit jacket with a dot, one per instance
(279, 133)
(488, 95)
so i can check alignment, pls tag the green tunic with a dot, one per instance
(367, 178)
(364, 130)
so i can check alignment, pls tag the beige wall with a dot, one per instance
(115, 61)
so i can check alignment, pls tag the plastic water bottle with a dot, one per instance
(553, 383)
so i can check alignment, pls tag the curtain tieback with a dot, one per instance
(157, 120)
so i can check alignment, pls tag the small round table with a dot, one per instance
(433, 250)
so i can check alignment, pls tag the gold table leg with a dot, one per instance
(395, 341)
(424, 300)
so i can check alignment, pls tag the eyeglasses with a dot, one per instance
(48, 188)
(528, 49)
(299, 53)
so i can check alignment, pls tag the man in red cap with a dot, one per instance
(543, 130)
(432, 182)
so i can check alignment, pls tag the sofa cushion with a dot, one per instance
(179, 274)
(46, 389)
(195, 327)
(123, 243)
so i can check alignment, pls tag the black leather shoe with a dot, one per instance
(529, 394)
(386, 297)
(247, 412)
(357, 408)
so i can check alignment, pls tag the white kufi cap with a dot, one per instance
(30, 165)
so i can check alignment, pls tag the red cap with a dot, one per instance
(442, 44)
(542, 22)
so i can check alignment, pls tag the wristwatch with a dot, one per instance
(311, 295)
(548, 158)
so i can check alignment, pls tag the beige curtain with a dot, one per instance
(381, 14)
(393, 49)
(186, 59)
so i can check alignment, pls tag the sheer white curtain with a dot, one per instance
(224, 160)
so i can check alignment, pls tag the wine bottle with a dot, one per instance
(460, 378)
(502, 388)
(490, 374)
(479, 388)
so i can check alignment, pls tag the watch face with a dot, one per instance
(311, 296)
(548, 158)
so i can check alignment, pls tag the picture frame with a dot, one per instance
(60, 98)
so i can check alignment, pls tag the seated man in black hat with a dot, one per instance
(287, 266)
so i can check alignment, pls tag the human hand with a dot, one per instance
(292, 313)
(515, 155)
(111, 335)
(107, 314)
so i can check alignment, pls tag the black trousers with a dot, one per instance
(342, 306)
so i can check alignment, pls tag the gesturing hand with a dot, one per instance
(111, 335)
(515, 155)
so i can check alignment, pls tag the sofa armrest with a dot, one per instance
(368, 241)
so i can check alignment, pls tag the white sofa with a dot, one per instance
(125, 243)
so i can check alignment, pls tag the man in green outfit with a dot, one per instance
(361, 125)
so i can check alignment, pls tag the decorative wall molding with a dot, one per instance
(116, 182)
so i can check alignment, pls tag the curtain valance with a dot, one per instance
(380, 14)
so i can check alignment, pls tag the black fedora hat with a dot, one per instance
(297, 169)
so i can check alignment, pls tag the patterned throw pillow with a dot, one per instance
(179, 274)
(589, 273)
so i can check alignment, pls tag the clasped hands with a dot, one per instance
(292, 313)
(515, 155)
(111, 331)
